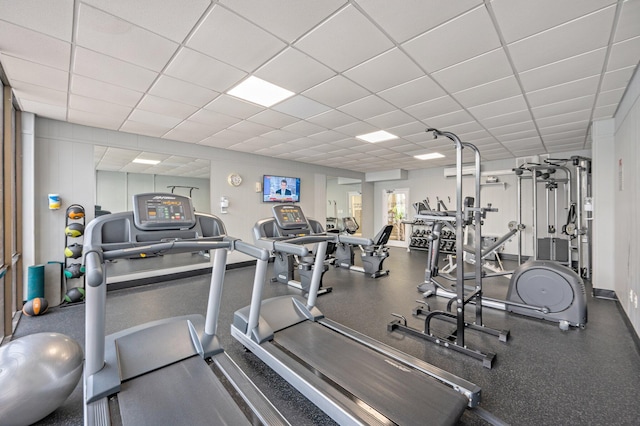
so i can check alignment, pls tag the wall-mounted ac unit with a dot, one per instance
(466, 171)
(533, 159)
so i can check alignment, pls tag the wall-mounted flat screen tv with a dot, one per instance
(280, 189)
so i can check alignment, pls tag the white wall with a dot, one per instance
(626, 191)
(62, 161)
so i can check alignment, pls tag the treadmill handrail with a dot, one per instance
(272, 244)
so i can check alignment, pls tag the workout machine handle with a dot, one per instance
(251, 250)
(290, 248)
(357, 241)
(93, 269)
(176, 246)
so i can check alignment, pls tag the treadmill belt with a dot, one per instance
(184, 393)
(402, 394)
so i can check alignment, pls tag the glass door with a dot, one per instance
(394, 210)
(355, 209)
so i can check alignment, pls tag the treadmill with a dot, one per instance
(354, 379)
(173, 370)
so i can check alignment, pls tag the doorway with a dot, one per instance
(394, 210)
(355, 209)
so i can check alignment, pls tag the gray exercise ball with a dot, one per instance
(37, 374)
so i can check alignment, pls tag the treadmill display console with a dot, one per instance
(155, 211)
(290, 217)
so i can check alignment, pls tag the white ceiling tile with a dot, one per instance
(624, 54)
(564, 118)
(327, 136)
(214, 119)
(304, 128)
(169, 18)
(628, 22)
(182, 91)
(280, 136)
(357, 128)
(518, 136)
(55, 112)
(273, 119)
(34, 46)
(332, 119)
(617, 79)
(288, 19)
(413, 92)
(229, 38)
(576, 104)
(407, 129)
(234, 107)
(218, 141)
(558, 43)
(336, 91)
(301, 107)
(480, 70)
(512, 118)
(564, 127)
(39, 75)
(604, 112)
(577, 67)
(368, 107)
(528, 143)
(432, 108)
(166, 107)
(53, 17)
(391, 119)
(190, 131)
(194, 67)
(294, 71)
(250, 128)
(581, 133)
(611, 97)
(104, 33)
(488, 92)
(94, 119)
(344, 40)
(110, 70)
(462, 38)
(153, 118)
(512, 128)
(384, 71)
(571, 90)
(81, 103)
(521, 18)
(450, 120)
(406, 19)
(91, 88)
(31, 92)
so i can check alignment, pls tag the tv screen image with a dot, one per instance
(280, 189)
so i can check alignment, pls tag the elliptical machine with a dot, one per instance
(372, 256)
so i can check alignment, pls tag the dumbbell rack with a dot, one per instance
(420, 232)
(71, 262)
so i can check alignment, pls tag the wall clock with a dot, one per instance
(234, 179)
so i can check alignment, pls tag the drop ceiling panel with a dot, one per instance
(344, 40)
(91, 88)
(612, 97)
(577, 104)
(154, 118)
(462, 38)
(182, 91)
(104, 33)
(628, 22)
(144, 128)
(33, 73)
(229, 38)
(249, 128)
(451, 120)
(95, 106)
(215, 119)
(413, 92)
(190, 131)
(166, 107)
(558, 43)
(336, 91)
(384, 71)
(501, 107)
(575, 68)
(433, 108)
(403, 20)
(234, 107)
(571, 90)
(45, 110)
(35, 93)
(624, 54)
(368, 107)
(512, 119)
(564, 118)
(172, 19)
(474, 72)
(391, 119)
(489, 92)
(287, 19)
(294, 71)
(521, 18)
(34, 46)
(196, 68)
(617, 79)
(53, 18)
(110, 70)
(272, 118)
(301, 107)
(304, 128)
(332, 119)
(93, 119)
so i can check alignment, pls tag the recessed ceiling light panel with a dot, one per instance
(260, 92)
(430, 156)
(144, 161)
(379, 136)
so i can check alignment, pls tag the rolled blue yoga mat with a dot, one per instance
(35, 281)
